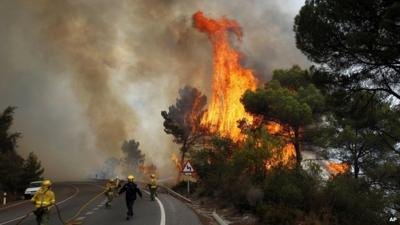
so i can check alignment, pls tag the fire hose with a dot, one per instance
(58, 216)
(71, 221)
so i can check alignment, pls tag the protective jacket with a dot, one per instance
(131, 190)
(153, 183)
(110, 186)
(43, 198)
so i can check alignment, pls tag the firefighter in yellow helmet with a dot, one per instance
(109, 192)
(131, 190)
(153, 187)
(43, 200)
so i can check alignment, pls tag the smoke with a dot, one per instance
(88, 74)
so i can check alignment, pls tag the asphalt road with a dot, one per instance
(83, 203)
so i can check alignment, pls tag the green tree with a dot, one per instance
(182, 120)
(354, 202)
(10, 162)
(32, 170)
(289, 194)
(355, 42)
(356, 140)
(10, 171)
(288, 99)
(8, 141)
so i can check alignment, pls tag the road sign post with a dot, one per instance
(188, 170)
(188, 187)
(4, 198)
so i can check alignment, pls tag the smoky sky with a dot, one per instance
(85, 75)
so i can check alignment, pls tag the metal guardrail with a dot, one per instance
(219, 219)
(215, 216)
(176, 194)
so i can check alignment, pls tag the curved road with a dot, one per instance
(83, 203)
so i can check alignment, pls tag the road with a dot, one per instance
(83, 203)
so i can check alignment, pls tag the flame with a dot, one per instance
(285, 156)
(148, 169)
(274, 128)
(338, 168)
(192, 117)
(175, 159)
(230, 79)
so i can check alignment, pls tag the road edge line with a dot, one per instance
(162, 209)
(162, 220)
(215, 216)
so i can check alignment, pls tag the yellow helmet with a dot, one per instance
(131, 178)
(152, 175)
(46, 183)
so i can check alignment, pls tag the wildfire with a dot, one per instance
(175, 159)
(230, 79)
(285, 156)
(338, 168)
(148, 169)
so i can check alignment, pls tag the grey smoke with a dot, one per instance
(88, 74)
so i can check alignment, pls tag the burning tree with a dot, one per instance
(230, 80)
(183, 119)
(290, 101)
(226, 115)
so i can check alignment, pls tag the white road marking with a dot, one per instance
(58, 203)
(162, 220)
(89, 213)
(80, 218)
(16, 204)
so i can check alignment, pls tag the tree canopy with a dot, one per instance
(289, 99)
(356, 139)
(182, 120)
(8, 141)
(15, 171)
(356, 42)
(133, 156)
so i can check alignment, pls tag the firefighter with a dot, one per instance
(131, 190)
(153, 187)
(43, 200)
(110, 188)
(117, 182)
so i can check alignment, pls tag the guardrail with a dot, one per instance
(176, 194)
(215, 216)
(219, 219)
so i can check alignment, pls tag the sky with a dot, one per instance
(87, 74)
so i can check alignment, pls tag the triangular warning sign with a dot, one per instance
(188, 168)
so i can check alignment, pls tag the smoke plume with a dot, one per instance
(88, 74)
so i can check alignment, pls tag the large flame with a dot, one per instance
(230, 80)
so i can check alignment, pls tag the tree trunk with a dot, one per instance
(184, 149)
(296, 144)
(356, 169)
